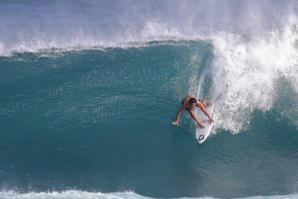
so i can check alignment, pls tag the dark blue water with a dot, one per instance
(85, 117)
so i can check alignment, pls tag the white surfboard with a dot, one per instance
(203, 133)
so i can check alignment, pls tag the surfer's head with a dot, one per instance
(192, 100)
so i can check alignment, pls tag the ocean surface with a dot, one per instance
(88, 91)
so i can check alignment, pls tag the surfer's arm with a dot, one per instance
(176, 122)
(206, 113)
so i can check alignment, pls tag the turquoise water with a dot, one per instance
(100, 120)
(89, 115)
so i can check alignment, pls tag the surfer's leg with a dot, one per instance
(207, 103)
(194, 117)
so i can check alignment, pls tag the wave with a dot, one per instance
(81, 111)
(77, 120)
(31, 26)
(245, 74)
(248, 60)
(74, 194)
(71, 194)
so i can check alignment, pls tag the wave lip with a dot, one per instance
(33, 26)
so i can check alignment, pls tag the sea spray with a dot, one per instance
(33, 26)
(245, 71)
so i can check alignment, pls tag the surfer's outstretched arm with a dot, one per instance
(176, 122)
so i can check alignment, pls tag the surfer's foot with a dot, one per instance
(175, 123)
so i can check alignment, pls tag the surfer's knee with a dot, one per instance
(207, 103)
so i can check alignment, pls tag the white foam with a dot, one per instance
(292, 196)
(31, 26)
(74, 194)
(71, 194)
(246, 69)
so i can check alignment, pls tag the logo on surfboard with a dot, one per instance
(201, 137)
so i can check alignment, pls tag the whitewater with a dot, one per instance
(88, 90)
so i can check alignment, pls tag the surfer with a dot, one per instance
(188, 103)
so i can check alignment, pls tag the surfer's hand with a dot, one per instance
(211, 120)
(175, 123)
(201, 125)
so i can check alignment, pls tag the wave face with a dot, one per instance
(88, 91)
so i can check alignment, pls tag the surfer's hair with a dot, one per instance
(192, 100)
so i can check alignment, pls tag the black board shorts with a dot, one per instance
(189, 109)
